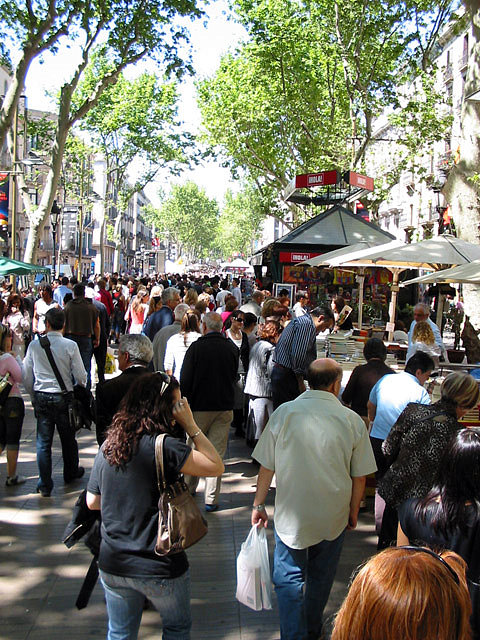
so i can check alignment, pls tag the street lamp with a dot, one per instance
(54, 218)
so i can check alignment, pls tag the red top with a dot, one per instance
(104, 296)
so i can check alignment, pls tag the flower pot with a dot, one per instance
(455, 356)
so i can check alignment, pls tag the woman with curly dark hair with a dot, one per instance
(123, 485)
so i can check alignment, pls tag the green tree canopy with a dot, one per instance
(302, 93)
(240, 222)
(191, 219)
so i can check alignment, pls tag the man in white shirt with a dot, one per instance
(299, 308)
(320, 453)
(222, 294)
(254, 305)
(50, 403)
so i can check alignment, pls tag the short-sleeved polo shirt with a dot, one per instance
(316, 446)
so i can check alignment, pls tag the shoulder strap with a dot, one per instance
(162, 485)
(45, 343)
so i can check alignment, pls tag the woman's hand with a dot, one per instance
(183, 415)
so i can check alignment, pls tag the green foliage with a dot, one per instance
(134, 120)
(301, 94)
(191, 218)
(77, 171)
(239, 222)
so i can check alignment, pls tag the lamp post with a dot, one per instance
(54, 218)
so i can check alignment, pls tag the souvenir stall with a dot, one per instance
(336, 228)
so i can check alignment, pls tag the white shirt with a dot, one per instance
(298, 310)
(238, 294)
(220, 299)
(316, 446)
(176, 350)
(37, 372)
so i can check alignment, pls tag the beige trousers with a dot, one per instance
(215, 425)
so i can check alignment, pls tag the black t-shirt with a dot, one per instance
(361, 382)
(466, 545)
(129, 510)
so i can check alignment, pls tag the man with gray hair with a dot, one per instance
(421, 313)
(162, 336)
(134, 355)
(208, 377)
(164, 316)
(254, 304)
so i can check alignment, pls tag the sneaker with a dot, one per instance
(14, 480)
(211, 507)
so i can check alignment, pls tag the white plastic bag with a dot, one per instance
(254, 585)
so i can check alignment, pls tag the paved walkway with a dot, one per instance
(40, 577)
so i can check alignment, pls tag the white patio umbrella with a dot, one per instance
(323, 261)
(435, 254)
(465, 273)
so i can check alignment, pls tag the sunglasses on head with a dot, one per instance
(166, 379)
(434, 555)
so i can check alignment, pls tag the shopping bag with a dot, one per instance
(254, 586)
(110, 364)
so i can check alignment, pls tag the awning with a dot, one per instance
(15, 267)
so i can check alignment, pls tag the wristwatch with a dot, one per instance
(259, 507)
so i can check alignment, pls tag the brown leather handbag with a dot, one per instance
(180, 523)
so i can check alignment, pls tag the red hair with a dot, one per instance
(401, 594)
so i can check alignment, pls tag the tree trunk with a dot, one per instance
(461, 189)
(118, 242)
(13, 94)
(39, 216)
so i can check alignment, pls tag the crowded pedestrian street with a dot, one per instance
(41, 578)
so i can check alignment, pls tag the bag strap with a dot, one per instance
(45, 343)
(162, 485)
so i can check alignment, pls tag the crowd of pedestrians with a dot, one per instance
(200, 361)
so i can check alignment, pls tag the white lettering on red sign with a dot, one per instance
(315, 179)
(300, 257)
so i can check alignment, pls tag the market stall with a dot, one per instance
(332, 230)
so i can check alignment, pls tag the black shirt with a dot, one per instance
(361, 382)
(129, 510)
(467, 545)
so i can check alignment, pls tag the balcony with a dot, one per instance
(463, 63)
(448, 73)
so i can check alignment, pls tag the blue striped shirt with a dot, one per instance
(297, 346)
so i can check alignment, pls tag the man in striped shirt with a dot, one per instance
(294, 352)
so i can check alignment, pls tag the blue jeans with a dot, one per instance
(51, 410)
(85, 346)
(313, 568)
(125, 599)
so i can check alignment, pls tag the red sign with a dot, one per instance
(357, 180)
(296, 256)
(317, 179)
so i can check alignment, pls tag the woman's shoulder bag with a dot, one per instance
(180, 523)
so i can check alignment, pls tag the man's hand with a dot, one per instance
(352, 520)
(259, 517)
